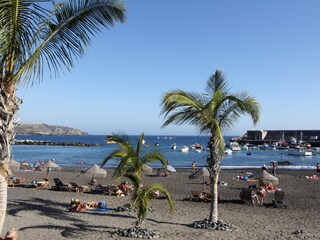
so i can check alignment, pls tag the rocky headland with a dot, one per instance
(45, 129)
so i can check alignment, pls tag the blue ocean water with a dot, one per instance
(69, 156)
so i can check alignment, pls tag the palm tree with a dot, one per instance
(33, 39)
(143, 195)
(132, 163)
(132, 160)
(212, 112)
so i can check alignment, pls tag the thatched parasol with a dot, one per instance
(95, 171)
(201, 173)
(14, 165)
(266, 178)
(51, 165)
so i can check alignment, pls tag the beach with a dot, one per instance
(43, 214)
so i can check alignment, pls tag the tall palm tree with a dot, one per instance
(132, 160)
(144, 194)
(212, 112)
(33, 39)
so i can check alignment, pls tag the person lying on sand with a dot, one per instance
(10, 235)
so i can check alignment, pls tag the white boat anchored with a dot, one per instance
(228, 151)
(174, 146)
(235, 146)
(184, 149)
(299, 151)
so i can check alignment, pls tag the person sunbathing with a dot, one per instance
(10, 235)
(124, 187)
(77, 205)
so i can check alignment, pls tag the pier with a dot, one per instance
(259, 137)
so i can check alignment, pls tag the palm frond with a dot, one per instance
(217, 82)
(62, 37)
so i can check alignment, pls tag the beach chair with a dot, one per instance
(278, 200)
(59, 185)
(43, 184)
(200, 196)
(13, 181)
(112, 190)
(247, 195)
(77, 188)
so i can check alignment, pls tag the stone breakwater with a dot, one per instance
(49, 143)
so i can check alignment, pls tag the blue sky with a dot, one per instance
(269, 48)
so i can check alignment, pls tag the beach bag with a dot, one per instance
(102, 204)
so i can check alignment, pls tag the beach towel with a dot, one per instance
(96, 210)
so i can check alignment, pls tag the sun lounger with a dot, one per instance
(200, 196)
(112, 190)
(13, 181)
(43, 184)
(59, 185)
(248, 195)
(75, 187)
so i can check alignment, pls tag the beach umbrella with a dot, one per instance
(171, 169)
(96, 171)
(14, 165)
(147, 169)
(201, 173)
(265, 178)
(50, 165)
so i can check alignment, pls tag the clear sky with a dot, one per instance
(269, 48)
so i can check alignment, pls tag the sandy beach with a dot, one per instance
(42, 214)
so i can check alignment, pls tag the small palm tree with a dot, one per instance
(212, 112)
(143, 195)
(34, 39)
(132, 160)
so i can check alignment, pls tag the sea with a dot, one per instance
(74, 156)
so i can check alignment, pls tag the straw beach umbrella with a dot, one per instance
(51, 165)
(95, 171)
(14, 165)
(265, 178)
(201, 173)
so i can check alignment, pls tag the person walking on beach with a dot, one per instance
(318, 169)
(193, 166)
(274, 166)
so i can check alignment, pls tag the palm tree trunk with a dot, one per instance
(214, 169)
(9, 105)
(213, 215)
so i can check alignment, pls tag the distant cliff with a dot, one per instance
(44, 129)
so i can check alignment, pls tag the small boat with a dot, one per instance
(184, 149)
(197, 150)
(316, 150)
(228, 151)
(299, 151)
(245, 146)
(171, 169)
(235, 146)
(248, 153)
(173, 146)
